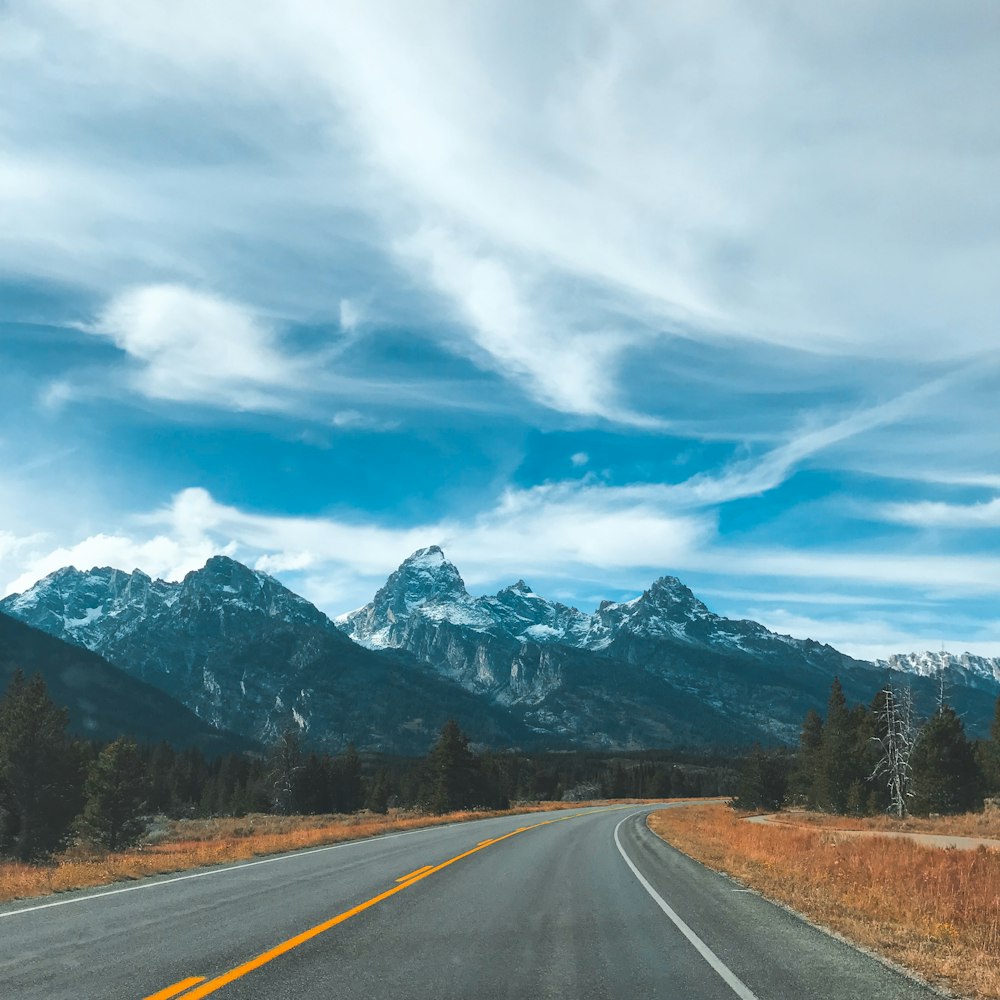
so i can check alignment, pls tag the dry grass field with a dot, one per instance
(184, 844)
(981, 824)
(935, 911)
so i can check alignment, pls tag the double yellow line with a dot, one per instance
(210, 986)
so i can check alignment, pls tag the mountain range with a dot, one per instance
(248, 655)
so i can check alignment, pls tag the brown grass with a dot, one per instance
(981, 824)
(935, 911)
(185, 844)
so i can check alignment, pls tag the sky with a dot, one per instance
(586, 292)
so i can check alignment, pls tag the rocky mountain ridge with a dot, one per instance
(739, 667)
(246, 653)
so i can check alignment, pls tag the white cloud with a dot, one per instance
(553, 529)
(159, 556)
(869, 637)
(588, 535)
(351, 315)
(195, 347)
(950, 575)
(753, 477)
(931, 514)
(579, 458)
(355, 420)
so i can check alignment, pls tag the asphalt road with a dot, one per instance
(581, 905)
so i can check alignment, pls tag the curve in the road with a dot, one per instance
(589, 906)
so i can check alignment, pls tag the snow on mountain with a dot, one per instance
(427, 587)
(518, 648)
(965, 668)
(244, 652)
(94, 608)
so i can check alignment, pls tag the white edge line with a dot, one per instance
(731, 980)
(221, 871)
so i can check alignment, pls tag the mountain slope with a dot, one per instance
(103, 701)
(245, 653)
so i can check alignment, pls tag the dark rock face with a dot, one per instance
(103, 701)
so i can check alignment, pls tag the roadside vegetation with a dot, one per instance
(932, 910)
(874, 768)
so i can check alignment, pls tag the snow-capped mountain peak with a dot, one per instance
(89, 607)
(426, 577)
(964, 668)
(425, 585)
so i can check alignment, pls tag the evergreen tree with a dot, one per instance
(802, 783)
(161, 785)
(116, 791)
(313, 786)
(763, 781)
(190, 773)
(451, 772)
(839, 765)
(380, 792)
(349, 795)
(946, 774)
(41, 774)
(991, 754)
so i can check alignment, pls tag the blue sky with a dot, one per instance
(587, 293)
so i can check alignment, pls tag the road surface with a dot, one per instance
(584, 904)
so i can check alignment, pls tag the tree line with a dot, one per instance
(54, 788)
(877, 758)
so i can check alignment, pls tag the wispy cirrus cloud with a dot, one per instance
(935, 514)
(670, 165)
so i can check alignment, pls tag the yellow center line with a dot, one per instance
(419, 871)
(172, 991)
(294, 942)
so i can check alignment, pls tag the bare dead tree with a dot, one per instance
(895, 736)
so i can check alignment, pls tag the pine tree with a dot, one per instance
(946, 774)
(116, 792)
(313, 786)
(451, 772)
(763, 782)
(380, 792)
(350, 793)
(41, 774)
(839, 765)
(991, 754)
(802, 783)
(189, 775)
